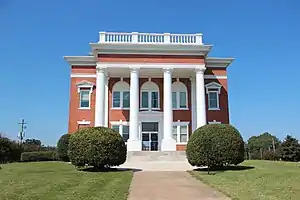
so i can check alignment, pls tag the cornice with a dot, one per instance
(81, 60)
(151, 49)
(214, 62)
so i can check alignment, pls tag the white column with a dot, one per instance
(106, 102)
(100, 97)
(193, 102)
(134, 144)
(168, 143)
(200, 97)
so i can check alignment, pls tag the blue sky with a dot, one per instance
(263, 37)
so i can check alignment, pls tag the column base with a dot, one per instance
(134, 145)
(168, 144)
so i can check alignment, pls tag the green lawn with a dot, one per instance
(60, 181)
(266, 181)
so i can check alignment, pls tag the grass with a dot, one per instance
(60, 181)
(261, 180)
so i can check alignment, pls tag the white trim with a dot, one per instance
(178, 124)
(214, 122)
(213, 85)
(126, 123)
(215, 77)
(211, 62)
(81, 60)
(151, 65)
(120, 124)
(85, 84)
(150, 49)
(121, 87)
(90, 97)
(218, 103)
(214, 62)
(178, 87)
(106, 102)
(78, 75)
(83, 122)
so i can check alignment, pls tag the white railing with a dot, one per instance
(150, 38)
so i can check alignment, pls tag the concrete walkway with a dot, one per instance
(166, 185)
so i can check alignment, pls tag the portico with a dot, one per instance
(165, 122)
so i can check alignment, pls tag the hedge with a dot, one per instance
(62, 148)
(98, 147)
(215, 145)
(38, 156)
(10, 151)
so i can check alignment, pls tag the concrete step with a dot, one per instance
(157, 166)
(146, 156)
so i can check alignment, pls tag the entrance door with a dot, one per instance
(150, 136)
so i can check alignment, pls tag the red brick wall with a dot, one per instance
(115, 115)
(76, 114)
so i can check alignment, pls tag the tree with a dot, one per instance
(257, 145)
(62, 147)
(96, 146)
(30, 145)
(215, 145)
(290, 149)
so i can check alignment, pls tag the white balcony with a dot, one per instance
(150, 38)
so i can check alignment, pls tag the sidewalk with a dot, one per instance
(148, 185)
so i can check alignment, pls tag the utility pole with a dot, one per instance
(22, 133)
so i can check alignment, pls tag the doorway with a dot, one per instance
(149, 136)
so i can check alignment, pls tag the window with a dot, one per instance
(180, 132)
(123, 130)
(85, 90)
(121, 95)
(84, 98)
(213, 90)
(116, 99)
(213, 101)
(149, 96)
(179, 96)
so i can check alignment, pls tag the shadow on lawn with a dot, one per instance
(225, 168)
(107, 169)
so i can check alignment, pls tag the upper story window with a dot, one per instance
(213, 90)
(121, 95)
(179, 96)
(149, 96)
(85, 89)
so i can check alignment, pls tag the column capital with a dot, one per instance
(200, 70)
(134, 69)
(168, 70)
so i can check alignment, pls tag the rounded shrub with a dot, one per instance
(62, 148)
(97, 146)
(215, 145)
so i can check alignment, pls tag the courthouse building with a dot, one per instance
(154, 89)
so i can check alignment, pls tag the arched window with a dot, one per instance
(121, 95)
(179, 96)
(150, 96)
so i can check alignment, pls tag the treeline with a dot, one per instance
(11, 151)
(268, 147)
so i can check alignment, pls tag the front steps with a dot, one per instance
(157, 161)
(147, 156)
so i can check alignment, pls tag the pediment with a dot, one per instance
(85, 83)
(213, 85)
